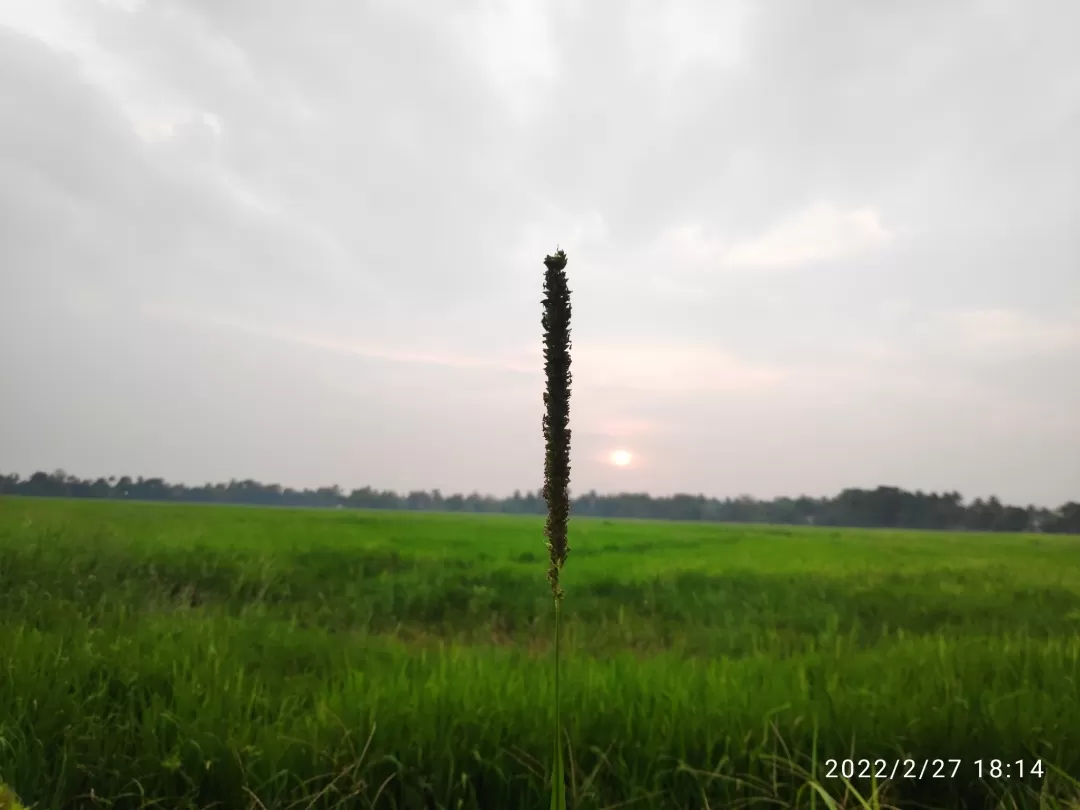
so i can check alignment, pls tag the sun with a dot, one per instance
(621, 458)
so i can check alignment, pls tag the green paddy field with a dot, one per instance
(169, 656)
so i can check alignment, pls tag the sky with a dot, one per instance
(811, 245)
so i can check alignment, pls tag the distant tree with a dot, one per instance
(418, 500)
(1065, 520)
(885, 507)
(124, 486)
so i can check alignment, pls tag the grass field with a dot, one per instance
(196, 656)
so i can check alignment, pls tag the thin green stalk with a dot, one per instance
(558, 776)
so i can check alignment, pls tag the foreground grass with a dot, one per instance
(186, 656)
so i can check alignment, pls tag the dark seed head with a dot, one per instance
(556, 323)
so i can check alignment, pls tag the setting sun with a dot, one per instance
(621, 458)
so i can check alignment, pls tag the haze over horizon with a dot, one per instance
(811, 248)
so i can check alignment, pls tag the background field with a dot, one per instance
(270, 657)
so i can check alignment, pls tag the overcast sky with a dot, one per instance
(812, 245)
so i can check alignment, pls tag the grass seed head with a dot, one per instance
(556, 323)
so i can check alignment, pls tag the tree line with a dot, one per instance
(884, 507)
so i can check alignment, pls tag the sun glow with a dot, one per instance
(621, 458)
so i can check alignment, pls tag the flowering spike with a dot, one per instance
(556, 323)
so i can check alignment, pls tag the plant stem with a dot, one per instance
(556, 323)
(558, 778)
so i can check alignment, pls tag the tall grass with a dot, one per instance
(556, 425)
(8, 799)
(182, 656)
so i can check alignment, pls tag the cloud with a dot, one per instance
(153, 110)
(512, 44)
(659, 370)
(505, 363)
(354, 199)
(821, 233)
(670, 39)
(1004, 333)
(615, 427)
(670, 370)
